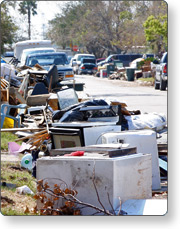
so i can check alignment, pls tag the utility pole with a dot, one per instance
(29, 22)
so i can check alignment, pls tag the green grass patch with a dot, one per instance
(150, 79)
(13, 173)
(7, 137)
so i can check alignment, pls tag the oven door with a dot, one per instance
(66, 138)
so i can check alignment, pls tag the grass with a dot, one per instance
(150, 79)
(11, 172)
(7, 137)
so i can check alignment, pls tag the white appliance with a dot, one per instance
(126, 177)
(146, 143)
(72, 134)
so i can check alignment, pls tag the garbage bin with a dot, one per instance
(110, 69)
(130, 74)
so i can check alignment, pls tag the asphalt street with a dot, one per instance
(143, 98)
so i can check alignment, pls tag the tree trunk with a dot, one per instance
(29, 22)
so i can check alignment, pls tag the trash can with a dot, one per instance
(130, 74)
(110, 69)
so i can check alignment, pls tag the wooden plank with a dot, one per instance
(32, 135)
(20, 129)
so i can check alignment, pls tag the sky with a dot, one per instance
(46, 11)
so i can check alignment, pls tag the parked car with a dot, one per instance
(161, 73)
(8, 54)
(59, 59)
(125, 59)
(88, 66)
(76, 61)
(99, 60)
(26, 52)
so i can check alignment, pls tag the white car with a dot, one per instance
(27, 52)
(76, 61)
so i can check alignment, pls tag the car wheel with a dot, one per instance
(163, 85)
(156, 84)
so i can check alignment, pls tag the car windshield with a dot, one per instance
(89, 60)
(45, 60)
(81, 57)
(26, 53)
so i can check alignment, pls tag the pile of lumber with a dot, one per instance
(35, 140)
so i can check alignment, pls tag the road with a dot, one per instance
(143, 98)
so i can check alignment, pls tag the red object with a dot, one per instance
(83, 67)
(76, 153)
(75, 48)
(165, 69)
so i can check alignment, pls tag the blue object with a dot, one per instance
(40, 89)
(2, 61)
(5, 112)
(26, 161)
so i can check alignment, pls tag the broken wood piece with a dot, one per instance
(32, 135)
(19, 129)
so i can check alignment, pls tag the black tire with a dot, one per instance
(163, 85)
(156, 84)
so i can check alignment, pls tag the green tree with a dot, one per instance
(7, 29)
(28, 7)
(156, 32)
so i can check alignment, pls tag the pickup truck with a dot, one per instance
(45, 60)
(161, 73)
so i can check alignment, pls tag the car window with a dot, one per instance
(89, 60)
(26, 53)
(45, 60)
(124, 57)
(80, 57)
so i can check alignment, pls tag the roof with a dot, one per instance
(46, 54)
(32, 41)
(34, 49)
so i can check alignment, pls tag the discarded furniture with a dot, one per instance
(111, 150)
(78, 86)
(71, 134)
(5, 112)
(124, 177)
(37, 100)
(145, 141)
(40, 89)
(67, 98)
(4, 90)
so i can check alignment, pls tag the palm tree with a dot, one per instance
(28, 7)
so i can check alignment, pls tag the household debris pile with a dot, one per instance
(57, 127)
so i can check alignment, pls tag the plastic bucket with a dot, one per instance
(8, 123)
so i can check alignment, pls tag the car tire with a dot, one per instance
(156, 84)
(163, 85)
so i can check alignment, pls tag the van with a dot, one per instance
(20, 46)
